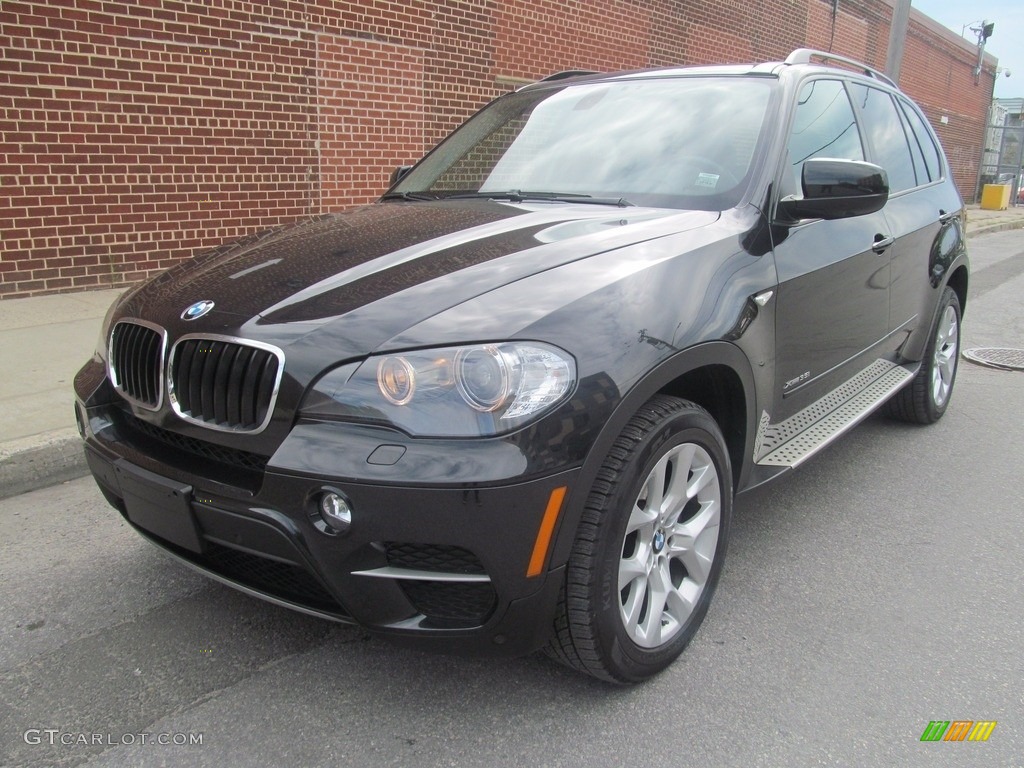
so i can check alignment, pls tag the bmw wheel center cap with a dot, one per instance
(197, 310)
(659, 541)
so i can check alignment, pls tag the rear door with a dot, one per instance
(922, 211)
(832, 310)
(912, 211)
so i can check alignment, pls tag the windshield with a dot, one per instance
(671, 142)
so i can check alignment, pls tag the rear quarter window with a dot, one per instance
(923, 137)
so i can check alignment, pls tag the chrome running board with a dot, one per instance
(793, 441)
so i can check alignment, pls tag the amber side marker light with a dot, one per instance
(547, 527)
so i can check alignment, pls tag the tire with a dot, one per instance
(925, 398)
(641, 573)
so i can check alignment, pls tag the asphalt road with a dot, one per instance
(873, 590)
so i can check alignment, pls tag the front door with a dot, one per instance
(833, 297)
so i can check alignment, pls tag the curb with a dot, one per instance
(989, 229)
(39, 461)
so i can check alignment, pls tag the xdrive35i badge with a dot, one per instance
(197, 310)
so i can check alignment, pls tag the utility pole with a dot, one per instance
(897, 39)
(984, 32)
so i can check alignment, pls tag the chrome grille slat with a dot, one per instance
(224, 383)
(234, 388)
(131, 335)
(266, 387)
(127, 334)
(208, 353)
(138, 376)
(151, 351)
(220, 383)
(249, 390)
(183, 393)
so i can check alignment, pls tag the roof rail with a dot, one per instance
(804, 56)
(567, 73)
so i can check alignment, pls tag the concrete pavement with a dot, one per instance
(44, 341)
(866, 594)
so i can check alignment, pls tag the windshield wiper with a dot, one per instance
(410, 196)
(518, 196)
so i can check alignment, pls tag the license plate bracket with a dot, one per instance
(159, 505)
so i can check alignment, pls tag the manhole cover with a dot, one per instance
(997, 357)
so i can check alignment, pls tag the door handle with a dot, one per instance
(945, 218)
(882, 242)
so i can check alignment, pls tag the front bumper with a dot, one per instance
(459, 567)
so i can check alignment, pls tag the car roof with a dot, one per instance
(800, 59)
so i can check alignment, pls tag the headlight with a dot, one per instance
(483, 389)
(484, 377)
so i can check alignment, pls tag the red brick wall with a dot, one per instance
(134, 134)
(370, 115)
(938, 74)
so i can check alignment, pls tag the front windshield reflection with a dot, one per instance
(677, 142)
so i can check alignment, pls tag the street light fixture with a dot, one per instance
(984, 32)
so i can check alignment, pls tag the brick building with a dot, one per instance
(133, 134)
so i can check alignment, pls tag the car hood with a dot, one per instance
(352, 280)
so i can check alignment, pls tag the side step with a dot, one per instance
(799, 437)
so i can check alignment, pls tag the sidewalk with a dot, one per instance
(45, 340)
(43, 343)
(981, 222)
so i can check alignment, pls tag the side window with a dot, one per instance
(923, 137)
(885, 131)
(823, 126)
(920, 169)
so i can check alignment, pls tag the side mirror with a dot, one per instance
(398, 174)
(838, 189)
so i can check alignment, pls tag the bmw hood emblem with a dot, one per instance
(197, 310)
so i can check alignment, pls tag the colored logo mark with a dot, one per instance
(958, 730)
(197, 310)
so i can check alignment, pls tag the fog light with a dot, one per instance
(335, 511)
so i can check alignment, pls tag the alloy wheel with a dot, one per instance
(669, 545)
(947, 346)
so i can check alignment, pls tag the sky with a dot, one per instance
(1006, 43)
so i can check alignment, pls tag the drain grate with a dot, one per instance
(1003, 358)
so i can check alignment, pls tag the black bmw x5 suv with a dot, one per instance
(507, 406)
